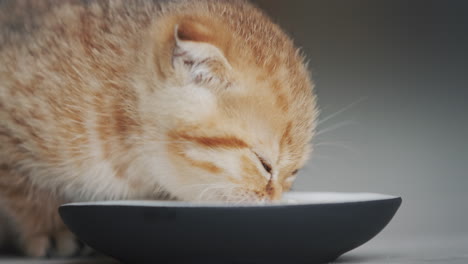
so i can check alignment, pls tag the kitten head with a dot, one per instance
(236, 106)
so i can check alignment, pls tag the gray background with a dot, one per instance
(396, 72)
(399, 69)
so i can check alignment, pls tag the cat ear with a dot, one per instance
(196, 53)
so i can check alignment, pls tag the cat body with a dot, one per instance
(191, 100)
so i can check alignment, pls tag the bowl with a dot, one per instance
(304, 228)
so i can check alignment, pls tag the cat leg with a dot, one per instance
(39, 231)
(54, 244)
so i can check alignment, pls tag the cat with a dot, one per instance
(102, 100)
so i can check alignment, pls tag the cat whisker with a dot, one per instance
(318, 156)
(346, 108)
(192, 186)
(336, 144)
(335, 126)
(224, 186)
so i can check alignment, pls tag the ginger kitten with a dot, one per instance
(191, 100)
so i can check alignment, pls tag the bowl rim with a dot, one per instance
(289, 199)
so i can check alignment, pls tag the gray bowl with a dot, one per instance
(307, 228)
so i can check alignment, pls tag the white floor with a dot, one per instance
(381, 250)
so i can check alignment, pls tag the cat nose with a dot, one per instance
(273, 191)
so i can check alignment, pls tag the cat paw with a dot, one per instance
(36, 247)
(60, 245)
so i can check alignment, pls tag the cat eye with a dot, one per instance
(294, 172)
(265, 164)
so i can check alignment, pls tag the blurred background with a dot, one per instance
(392, 83)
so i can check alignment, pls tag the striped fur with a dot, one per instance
(112, 99)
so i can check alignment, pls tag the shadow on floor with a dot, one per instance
(367, 258)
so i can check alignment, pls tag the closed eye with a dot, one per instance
(265, 164)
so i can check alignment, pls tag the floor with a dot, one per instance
(381, 250)
(411, 250)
